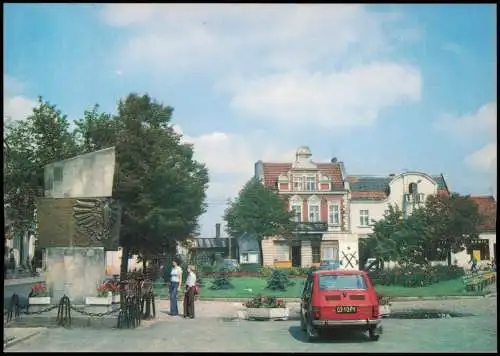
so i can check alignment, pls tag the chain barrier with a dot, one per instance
(98, 315)
(52, 307)
(130, 313)
(64, 311)
(138, 304)
(14, 309)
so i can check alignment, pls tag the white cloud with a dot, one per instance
(16, 106)
(484, 159)
(479, 126)
(483, 121)
(272, 50)
(340, 99)
(118, 72)
(224, 37)
(230, 158)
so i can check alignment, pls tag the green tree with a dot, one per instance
(42, 138)
(381, 243)
(454, 221)
(160, 186)
(258, 210)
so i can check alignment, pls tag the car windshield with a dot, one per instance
(342, 282)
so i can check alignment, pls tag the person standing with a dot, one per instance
(189, 293)
(175, 284)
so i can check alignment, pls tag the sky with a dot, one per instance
(384, 88)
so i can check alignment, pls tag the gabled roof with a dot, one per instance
(377, 187)
(332, 170)
(487, 207)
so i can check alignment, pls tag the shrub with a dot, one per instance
(278, 281)
(221, 281)
(250, 267)
(415, 275)
(266, 272)
(265, 302)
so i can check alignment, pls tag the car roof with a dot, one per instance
(338, 272)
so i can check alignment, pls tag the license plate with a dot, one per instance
(344, 309)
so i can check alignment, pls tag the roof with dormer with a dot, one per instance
(366, 187)
(332, 170)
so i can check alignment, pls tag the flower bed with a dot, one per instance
(39, 295)
(415, 275)
(266, 308)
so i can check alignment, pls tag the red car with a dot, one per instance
(339, 299)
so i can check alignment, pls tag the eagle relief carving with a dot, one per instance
(96, 218)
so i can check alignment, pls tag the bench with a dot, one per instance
(478, 281)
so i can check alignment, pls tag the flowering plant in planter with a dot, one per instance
(265, 302)
(39, 290)
(113, 287)
(102, 291)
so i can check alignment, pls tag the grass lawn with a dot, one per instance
(247, 287)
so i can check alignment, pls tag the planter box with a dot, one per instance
(39, 300)
(98, 300)
(268, 313)
(384, 310)
(115, 299)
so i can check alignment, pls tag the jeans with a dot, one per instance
(173, 298)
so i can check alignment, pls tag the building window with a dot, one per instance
(316, 251)
(244, 258)
(313, 213)
(311, 183)
(330, 250)
(364, 218)
(297, 212)
(333, 214)
(298, 184)
(58, 174)
(282, 251)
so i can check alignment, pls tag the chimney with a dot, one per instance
(217, 230)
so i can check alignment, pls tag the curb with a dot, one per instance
(18, 340)
(395, 299)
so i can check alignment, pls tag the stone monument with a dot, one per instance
(78, 221)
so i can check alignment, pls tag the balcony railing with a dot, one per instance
(304, 227)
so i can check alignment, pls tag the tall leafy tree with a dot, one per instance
(381, 244)
(42, 138)
(159, 184)
(454, 222)
(258, 210)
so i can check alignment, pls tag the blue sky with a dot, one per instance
(382, 87)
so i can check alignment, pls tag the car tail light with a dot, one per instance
(315, 313)
(375, 312)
